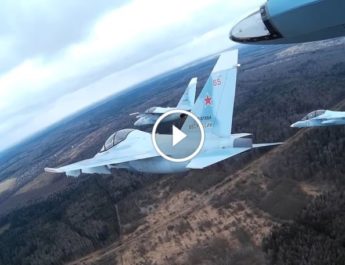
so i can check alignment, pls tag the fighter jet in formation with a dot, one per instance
(134, 149)
(151, 115)
(321, 118)
(287, 21)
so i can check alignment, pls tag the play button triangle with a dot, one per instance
(177, 136)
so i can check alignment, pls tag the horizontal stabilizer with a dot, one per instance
(266, 145)
(212, 157)
(241, 135)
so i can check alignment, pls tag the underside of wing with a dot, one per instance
(208, 158)
(99, 164)
(328, 122)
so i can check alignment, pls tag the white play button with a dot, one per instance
(178, 145)
(177, 136)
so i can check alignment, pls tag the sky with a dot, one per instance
(58, 57)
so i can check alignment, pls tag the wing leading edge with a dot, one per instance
(98, 164)
(126, 151)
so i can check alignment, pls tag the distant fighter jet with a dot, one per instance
(292, 21)
(321, 118)
(134, 150)
(150, 116)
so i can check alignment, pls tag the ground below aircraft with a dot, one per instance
(271, 192)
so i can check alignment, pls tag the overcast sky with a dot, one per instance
(57, 57)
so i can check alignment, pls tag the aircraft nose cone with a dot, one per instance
(296, 125)
(249, 29)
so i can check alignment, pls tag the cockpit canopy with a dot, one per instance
(115, 139)
(313, 114)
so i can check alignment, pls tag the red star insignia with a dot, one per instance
(208, 101)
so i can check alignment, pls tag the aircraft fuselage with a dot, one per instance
(319, 123)
(321, 118)
(159, 165)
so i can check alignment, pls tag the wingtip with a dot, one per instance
(51, 170)
(278, 143)
(267, 145)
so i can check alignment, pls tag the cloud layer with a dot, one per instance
(55, 55)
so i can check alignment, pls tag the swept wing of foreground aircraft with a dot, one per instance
(151, 115)
(133, 149)
(292, 21)
(320, 118)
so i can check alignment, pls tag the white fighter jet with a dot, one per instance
(151, 115)
(134, 150)
(321, 118)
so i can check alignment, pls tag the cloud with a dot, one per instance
(42, 27)
(126, 45)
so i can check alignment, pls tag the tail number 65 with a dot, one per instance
(217, 82)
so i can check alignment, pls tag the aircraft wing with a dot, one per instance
(212, 157)
(266, 145)
(99, 164)
(328, 122)
(119, 154)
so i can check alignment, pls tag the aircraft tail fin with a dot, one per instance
(188, 98)
(215, 104)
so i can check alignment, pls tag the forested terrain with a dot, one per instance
(219, 214)
(316, 237)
